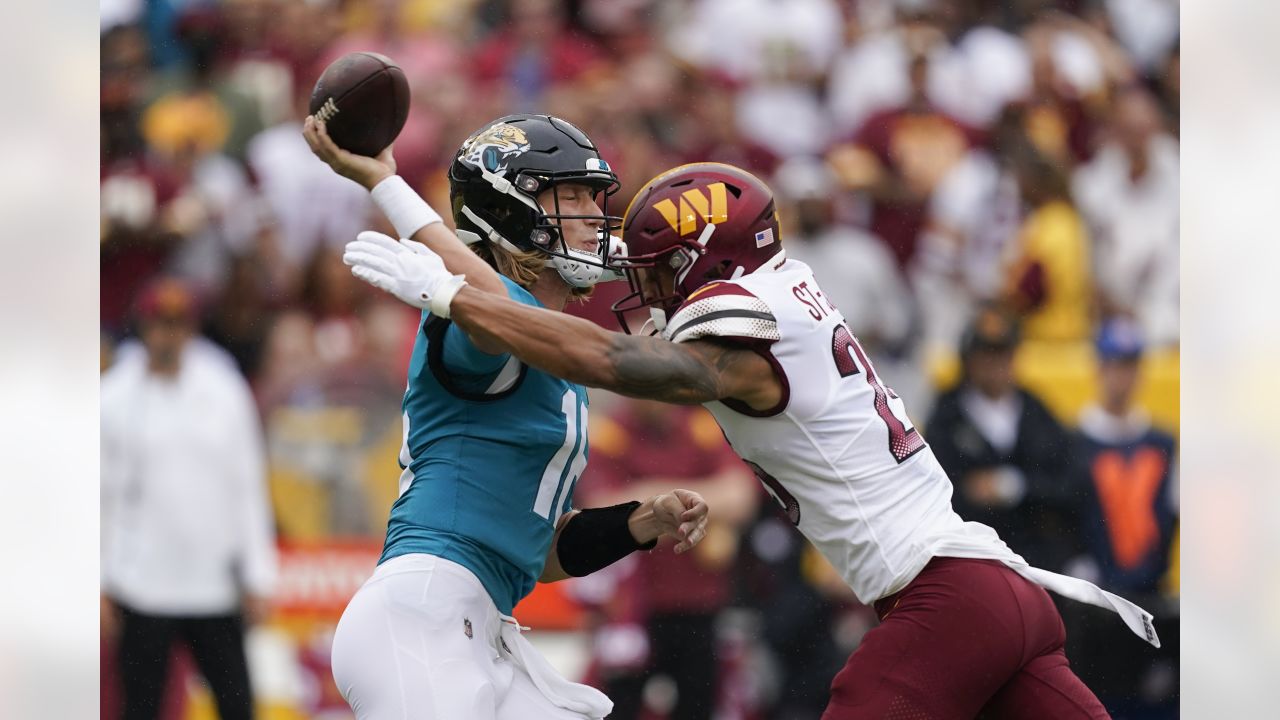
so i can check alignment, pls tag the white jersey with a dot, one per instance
(839, 452)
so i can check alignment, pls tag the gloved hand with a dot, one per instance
(405, 269)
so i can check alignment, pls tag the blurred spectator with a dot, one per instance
(1128, 499)
(309, 206)
(1131, 500)
(710, 129)
(521, 61)
(1075, 67)
(976, 66)
(676, 599)
(808, 619)
(857, 273)
(289, 357)
(776, 52)
(1072, 58)
(330, 391)
(330, 388)
(124, 68)
(897, 157)
(1129, 195)
(172, 199)
(1007, 455)
(187, 539)
(213, 216)
(215, 39)
(133, 185)
(1054, 115)
(971, 219)
(239, 321)
(1048, 280)
(334, 298)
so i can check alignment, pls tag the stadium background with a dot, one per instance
(205, 176)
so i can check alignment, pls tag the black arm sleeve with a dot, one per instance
(596, 538)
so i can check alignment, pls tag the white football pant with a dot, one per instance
(422, 640)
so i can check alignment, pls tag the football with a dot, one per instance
(363, 99)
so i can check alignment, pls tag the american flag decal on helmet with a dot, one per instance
(764, 238)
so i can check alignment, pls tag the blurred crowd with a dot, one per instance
(976, 182)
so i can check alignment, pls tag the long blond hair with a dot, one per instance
(523, 266)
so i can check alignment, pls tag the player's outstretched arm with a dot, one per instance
(412, 217)
(591, 539)
(637, 366)
(571, 348)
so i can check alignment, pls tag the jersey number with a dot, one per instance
(566, 466)
(904, 439)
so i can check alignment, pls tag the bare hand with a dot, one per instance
(365, 170)
(682, 515)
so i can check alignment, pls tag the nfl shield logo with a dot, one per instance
(764, 237)
(466, 627)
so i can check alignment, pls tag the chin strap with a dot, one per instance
(657, 322)
(583, 269)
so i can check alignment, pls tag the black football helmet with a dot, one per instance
(495, 179)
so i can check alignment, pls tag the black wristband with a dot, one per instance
(596, 538)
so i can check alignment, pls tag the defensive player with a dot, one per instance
(966, 626)
(492, 447)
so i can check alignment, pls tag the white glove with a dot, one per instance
(407, 269)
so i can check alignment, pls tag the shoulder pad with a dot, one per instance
(725, 310)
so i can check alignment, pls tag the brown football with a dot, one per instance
(363, 98)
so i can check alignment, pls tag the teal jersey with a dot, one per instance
(493, 450)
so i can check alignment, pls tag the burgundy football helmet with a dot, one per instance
(689, 226)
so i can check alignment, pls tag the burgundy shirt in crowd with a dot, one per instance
(901, 138)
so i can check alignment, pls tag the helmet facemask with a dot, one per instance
(580, 268)
(658, 282)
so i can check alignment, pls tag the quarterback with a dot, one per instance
(492, 447)
(966, 625)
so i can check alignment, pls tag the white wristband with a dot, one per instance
(407, 212)
(439, 302)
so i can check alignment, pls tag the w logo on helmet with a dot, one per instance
(694, 203)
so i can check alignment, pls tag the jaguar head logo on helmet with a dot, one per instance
(499, 173)
(691, 226)
(493, 146)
